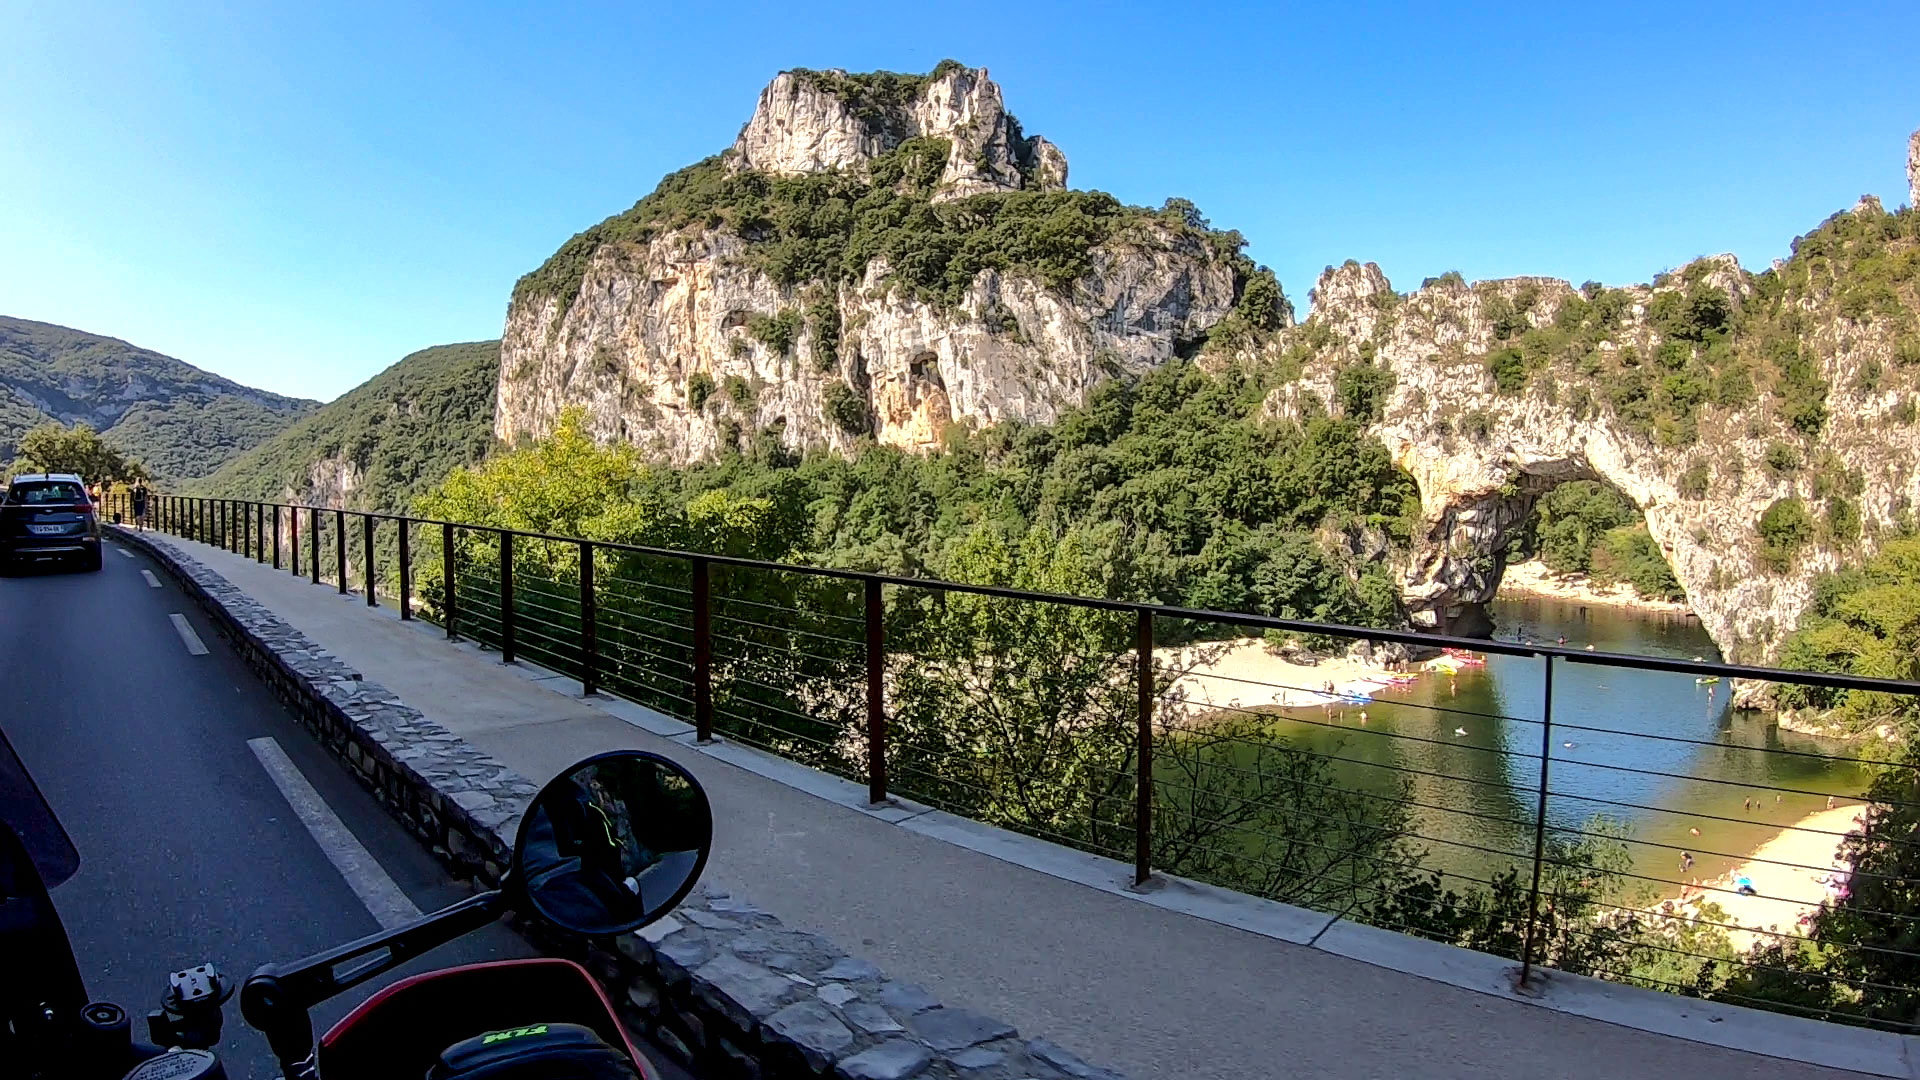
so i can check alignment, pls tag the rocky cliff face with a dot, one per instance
(808, 121)
(1913, 169)
(657, 348)
(683, 339)
(1502, 389)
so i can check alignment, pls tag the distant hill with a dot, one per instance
(181, 421)
(383, 442)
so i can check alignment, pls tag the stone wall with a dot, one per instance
(720, 983)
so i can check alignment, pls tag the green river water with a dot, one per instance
(1654, 751)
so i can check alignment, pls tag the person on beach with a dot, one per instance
(1746, 805)
(1686, 861)
(1829, 802)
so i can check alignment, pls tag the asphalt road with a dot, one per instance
(189, 851)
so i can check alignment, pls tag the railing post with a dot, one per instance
(260, 532)
(406, 571)
(1143, 754)
(446, 578)
(366, 555)
(273, 509)
(293, 540)
(702, 653)
(589, 623)
(313, 543)
(340, 548)
(1539, 826)
(876, 695)
(506, 597)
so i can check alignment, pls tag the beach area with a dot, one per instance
(1789, 874)
(1532, 578)
(1248, 675)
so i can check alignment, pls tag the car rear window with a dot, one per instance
(38, 492)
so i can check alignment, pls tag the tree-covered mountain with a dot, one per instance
(383, 442)
(179, 420)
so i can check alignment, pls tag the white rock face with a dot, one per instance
(653, 326)
(800, 128)
(1913, 169)
(806, 123)
(1481, 458)
(644, 326)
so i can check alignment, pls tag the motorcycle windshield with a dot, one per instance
(26, 813)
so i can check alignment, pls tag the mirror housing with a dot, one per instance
(613, 843)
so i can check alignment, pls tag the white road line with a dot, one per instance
(194, 645)
(384, 900)
(124, 551)
(152, 582)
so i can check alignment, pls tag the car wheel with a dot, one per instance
(91, 560)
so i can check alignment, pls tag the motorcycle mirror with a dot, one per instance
(613, 843)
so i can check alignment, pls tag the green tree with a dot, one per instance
(78, 449)
(1025, 714)
(1785, 527)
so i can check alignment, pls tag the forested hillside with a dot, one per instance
(382, 443)
(177, 419)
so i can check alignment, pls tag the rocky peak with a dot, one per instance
(1913, 169)
(1349, 296)
(816, 121)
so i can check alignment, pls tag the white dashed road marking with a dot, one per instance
(384, 900)
(152, 582)
(192, 640)
(124, 551)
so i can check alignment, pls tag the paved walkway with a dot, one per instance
(1064, 951)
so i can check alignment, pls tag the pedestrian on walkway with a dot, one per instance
(140, 505)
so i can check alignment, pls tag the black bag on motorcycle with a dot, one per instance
(534, 1052)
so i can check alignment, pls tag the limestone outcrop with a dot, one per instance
(658, 347)
(815, 121)
(1913, 169)
(1482, 455)
(693, 338)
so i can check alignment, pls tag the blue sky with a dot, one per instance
(295, 196)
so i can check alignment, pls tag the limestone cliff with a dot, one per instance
(814, 121)
(1765, 424)
(879, 255)
(1913, 169)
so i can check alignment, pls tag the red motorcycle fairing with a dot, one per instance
(399, 1032)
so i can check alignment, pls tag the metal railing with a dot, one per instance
(1144, 732)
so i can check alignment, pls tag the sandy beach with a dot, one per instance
(1532, 578)
(1785, 892)
(1247, 676)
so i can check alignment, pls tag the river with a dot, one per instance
(1656, 752)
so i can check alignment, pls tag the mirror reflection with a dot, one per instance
(614, 843)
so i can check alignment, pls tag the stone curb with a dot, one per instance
(721, 983)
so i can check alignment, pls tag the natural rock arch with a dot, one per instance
(1481, 457)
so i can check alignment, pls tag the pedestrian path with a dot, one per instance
(1181, 981)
